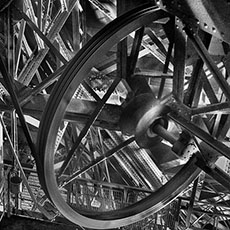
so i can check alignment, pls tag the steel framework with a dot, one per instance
(107, 117)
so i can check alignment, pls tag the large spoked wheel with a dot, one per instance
(111, 144)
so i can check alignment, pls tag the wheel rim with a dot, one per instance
(55, 112)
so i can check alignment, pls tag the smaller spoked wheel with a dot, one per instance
(113, 148)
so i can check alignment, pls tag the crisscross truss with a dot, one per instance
(124, 117)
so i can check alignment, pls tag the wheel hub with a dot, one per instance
(138, 117)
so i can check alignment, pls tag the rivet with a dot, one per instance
(214, 29)
(205, 26)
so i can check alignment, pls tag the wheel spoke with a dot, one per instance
(216, 173)
(195, 79)
(98, 161)
(201, 134)
(88, 124)
(218, 108)
(179, 66)
(165, 70)
(132, 59)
